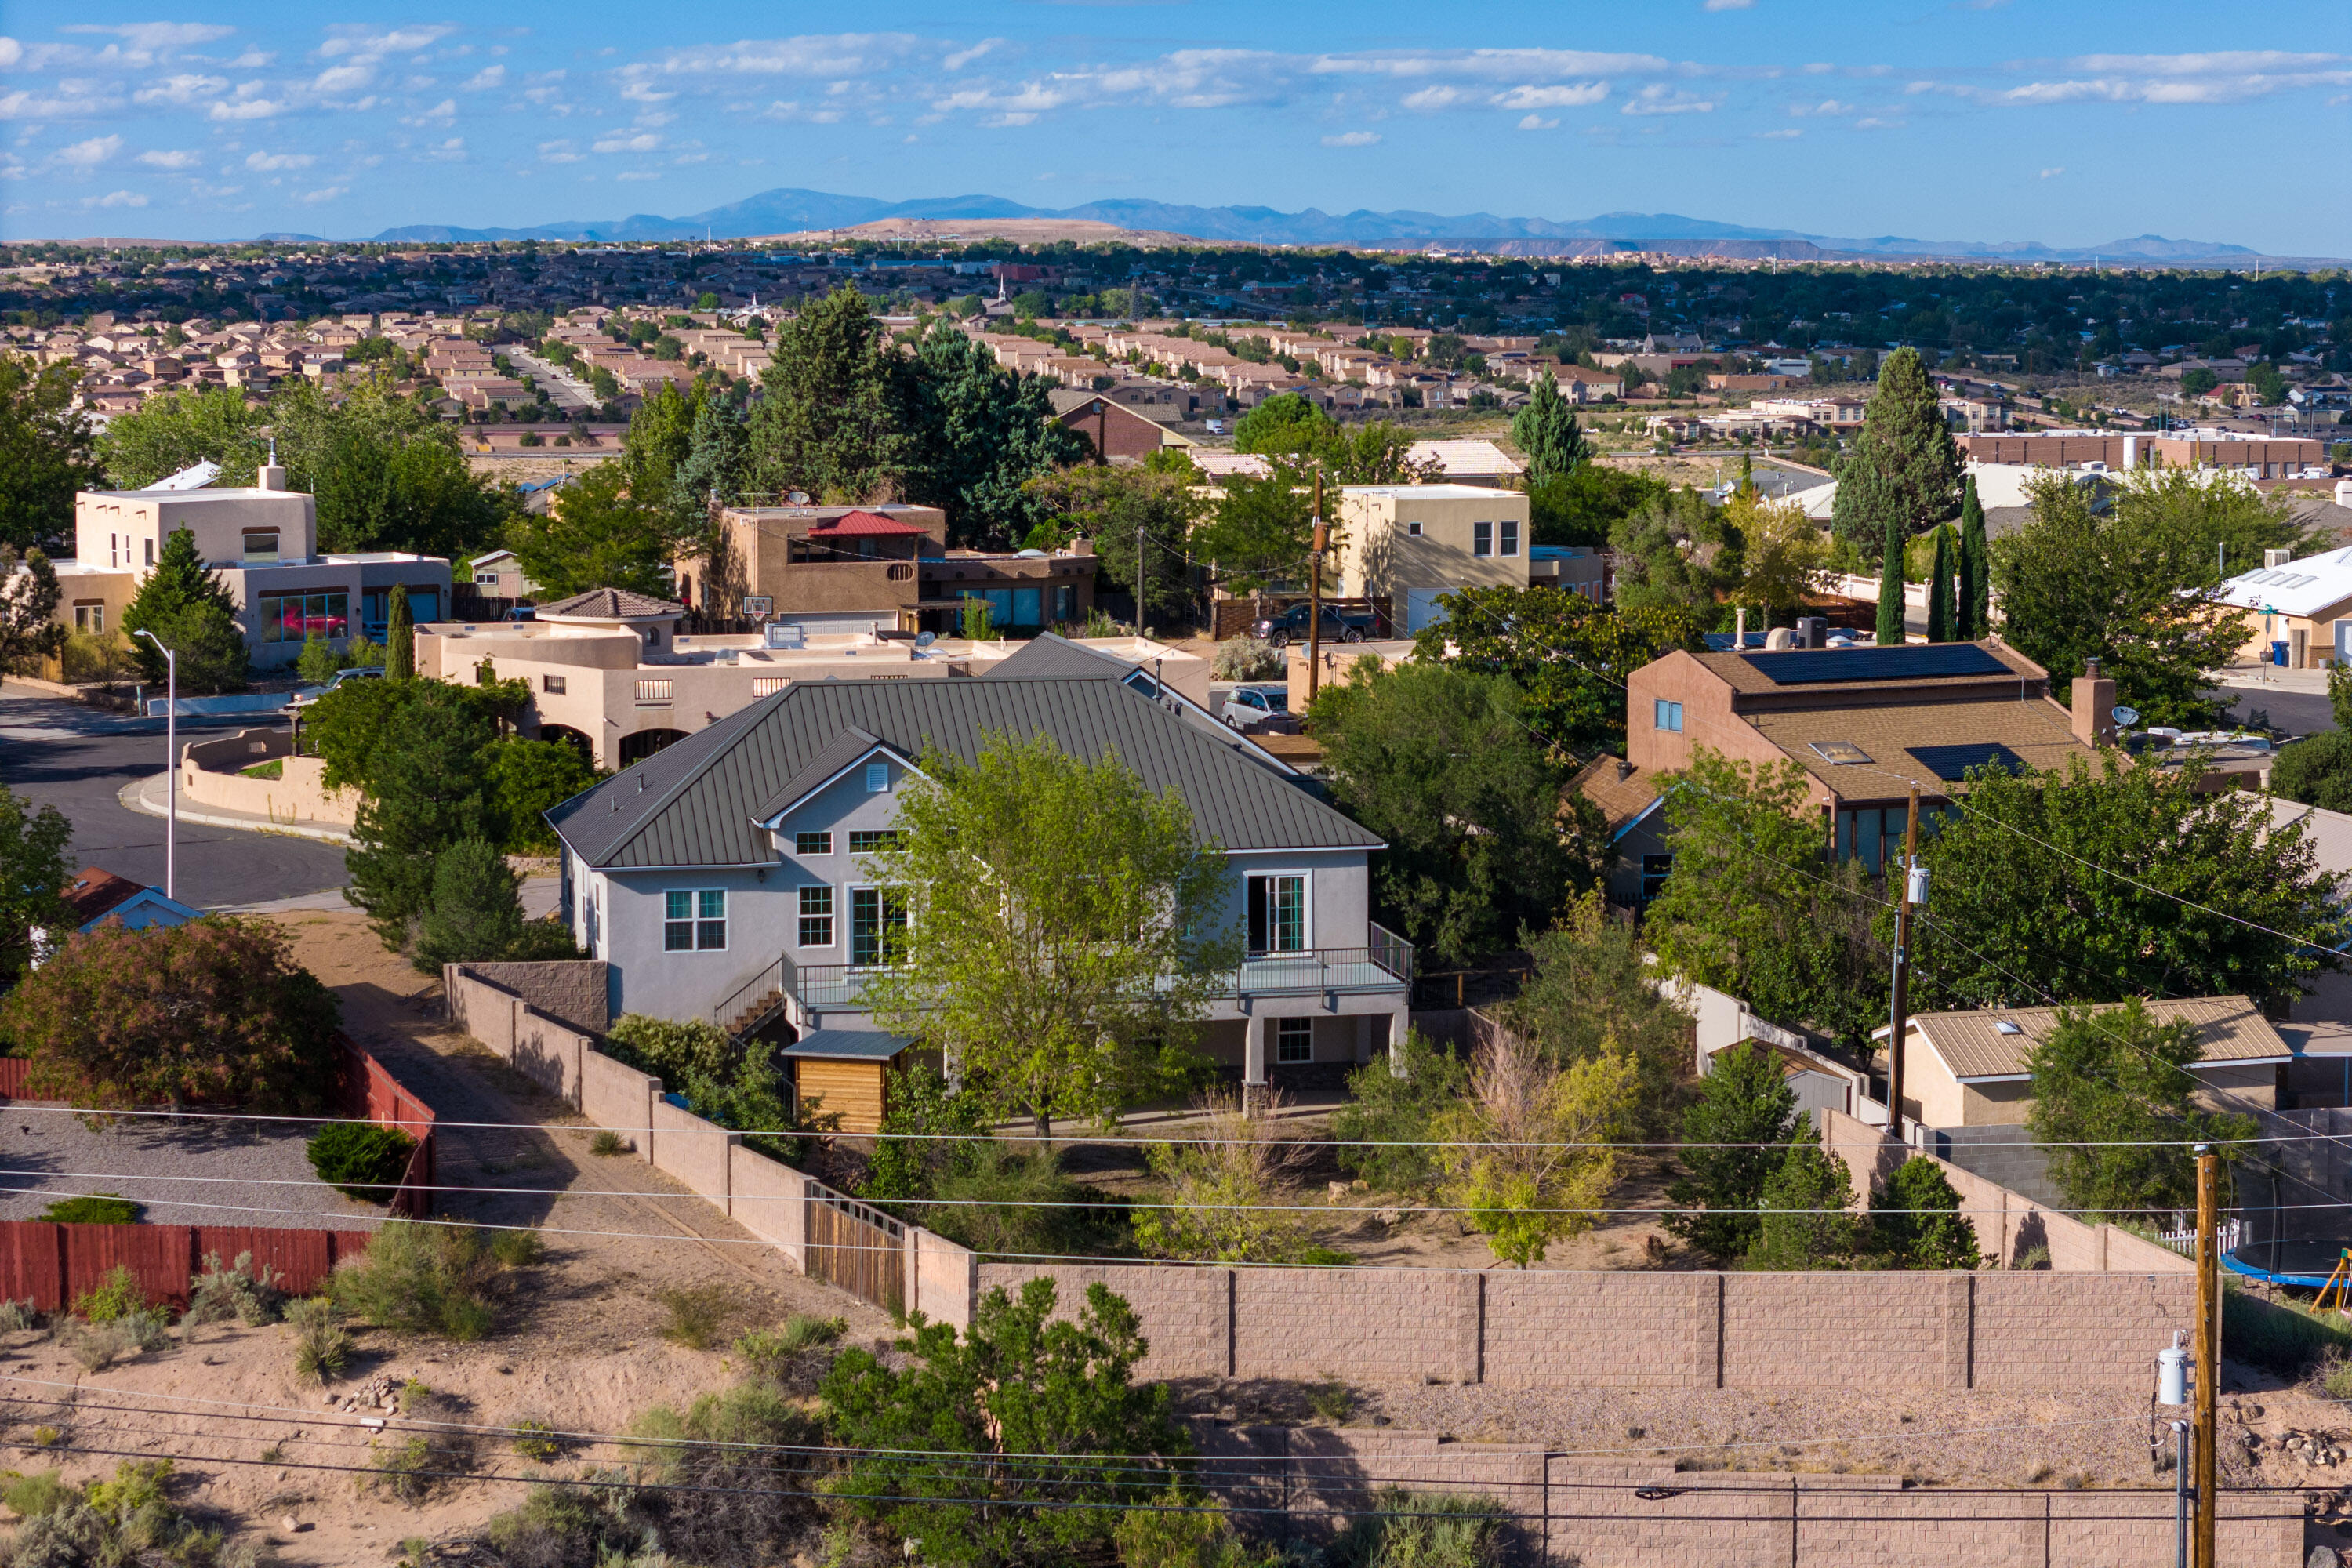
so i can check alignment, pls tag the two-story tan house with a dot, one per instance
(1409, 543)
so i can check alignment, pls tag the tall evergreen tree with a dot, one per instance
(399, 638)
(1942, 625)
(975, 435)
(1975, 567)
(193, 614)
(1890, 587)
(1904, 472)
(1547, 431)
(424, 794)
(825, 421)
(44, 453)
(713, 470)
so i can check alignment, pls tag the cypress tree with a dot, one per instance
(1941, 626)
(399, 638)
(1547, 431)
(1975, 568)
(1904, 467)
(195, 615)
(1890, 588)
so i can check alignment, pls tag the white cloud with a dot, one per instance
(278, 161)
(440, 113)
(248, 108)
(2054, 174)
(1789, 135)
(644, 143)
(1819, 68)
(452, 151)
(343, 79)
(182, 88)
(638, 174)
(89, 154)
(116, 199)
(794, 109)
(1436, 98)
(155, 37)
(1570, 96)
(1353, 139)
(484, 79)
(73, 100)
(962, 58)
(11, 51)
(1007, 120)
(324, 194)
(1660, 98)
(1538, 123)
(1828, 106)
(562, 152)
(171, 160)
(1872, 123)
(1729, 4)
(360, 40)
(643, 92)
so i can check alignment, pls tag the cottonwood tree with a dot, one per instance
(1152, 508)
(1569, 657)
(1064, 928)
(45, 454)
(33, 871)
(597, 532)
(1224, 1186)
(1517, 1150)
(216, 1011)
(176, 430)
(1592, 990)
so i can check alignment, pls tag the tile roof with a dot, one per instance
(2229, 1030)
(698, 802)
(856, 523)
(611, 604)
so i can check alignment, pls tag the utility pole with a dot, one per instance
(2204, 1414)
(1315, 599)
(1138, 579)
(1915, 885)
(171, 763)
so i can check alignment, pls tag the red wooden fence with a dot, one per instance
(53, 1264)
(367, 1089)
(14, 1070)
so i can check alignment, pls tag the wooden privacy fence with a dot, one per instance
(52, 1264)
(857, 1248)
(367, 1089)
(14, 1070)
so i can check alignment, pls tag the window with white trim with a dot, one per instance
(1668, 716)
(878, 920)
(816, 916)
(693, 920)
(1294, 1039)
(812, 843)
(1482, 539)
(877, 778)
(1277, 913)
(1510, 536)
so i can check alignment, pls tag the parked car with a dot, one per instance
(520, 613)
(356, 672)
(1338, 625)
(1248, 707)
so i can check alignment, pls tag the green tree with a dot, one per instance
(1915, 1220)
(1114, 508)
(425, 792)
(1569, 657)
(346, 725)
(387, 474)
(45, 455)
(1942, 622)
(523, 781)
(195, 615)
(1754, 907)
(1382, 1128)
(2268, 385)
(1591, 994)
(1782, 553)
(825, 421)
(1284, 423)
(29, 629)
(399, 638)
(1890, 630)
(1262, 529)
(179, 429)
(2114, 1109)
(1975, 604)
(1584, 505)
(658, 447)
(597, 534)
(1064, 927)
(966, 1421)
(2134, 584)
(215, 1011)
(1441, 766)
(1902, 475)
(1523, 1150)
(1547, 431)
(1733, 1138)
(714, 469)
(975, 436)
(1674, 552)
(474, 912)
(1804, 1218)
(2316, 771)
(33, 872)
(2113, 881)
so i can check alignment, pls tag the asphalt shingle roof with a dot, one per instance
(614, 604)
(697, 802)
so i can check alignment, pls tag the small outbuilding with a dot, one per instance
(846, 1071)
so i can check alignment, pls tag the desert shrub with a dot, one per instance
(359, 1159)
(699, 1315)
(1383, 1128)
(2333, 1374)
(517, 1248)
(125, 1520)
(738, 1504)
(98, 1208)
(1224, 1189)
(2278, 1335)
(607, 1143)
(15, 1317)
(218, 1294)
(771, 1352)
(117, 1295)
(573, 1527)
(321, 1345)
(1246, 658)
(1423, 1529)
(423, 1279)
(536, 1440)
(982, 1207)
(722, 1081)
(1182, 1529)
(411, 1465)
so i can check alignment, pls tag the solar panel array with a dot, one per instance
(1818, 666)
(1953, 763)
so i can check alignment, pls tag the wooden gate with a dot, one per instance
(857, 1248)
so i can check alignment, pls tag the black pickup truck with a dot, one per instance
(1338, 625)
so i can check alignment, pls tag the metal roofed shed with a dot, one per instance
(845, 1072)
(1807, 667)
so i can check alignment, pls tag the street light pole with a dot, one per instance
(171, 764)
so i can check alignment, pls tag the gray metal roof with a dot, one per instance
(698, 802)
(847, 1044)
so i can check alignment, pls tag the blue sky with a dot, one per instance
(1981, 118)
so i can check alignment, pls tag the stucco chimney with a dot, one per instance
(2095, 703)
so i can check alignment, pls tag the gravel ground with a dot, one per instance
(186, 1172)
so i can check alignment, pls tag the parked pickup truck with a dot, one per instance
(1290, 626)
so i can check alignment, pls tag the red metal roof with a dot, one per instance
(863, 522)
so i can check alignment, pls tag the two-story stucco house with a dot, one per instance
(726, 878)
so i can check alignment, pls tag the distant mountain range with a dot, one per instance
(788, 211)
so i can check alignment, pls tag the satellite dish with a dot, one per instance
(925, 639)
(2126, 717)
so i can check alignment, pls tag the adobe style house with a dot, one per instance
(262, 543)
(726, 878)
(1407, 543)
(840, 568)
(1865, 724)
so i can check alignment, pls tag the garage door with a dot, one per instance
(1422, 608)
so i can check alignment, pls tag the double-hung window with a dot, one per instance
(1482, 539)
(1294, 1039)
(1668, 716)
(1510, 536)
(816, 917)
(693, 920)
(876, 916)
(812, 843)
(1277, 914)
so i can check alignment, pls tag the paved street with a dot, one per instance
(78, 759)
(567, 392)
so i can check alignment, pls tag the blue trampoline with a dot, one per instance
(2301, 1263)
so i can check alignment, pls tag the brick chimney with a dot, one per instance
(2094, 704)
